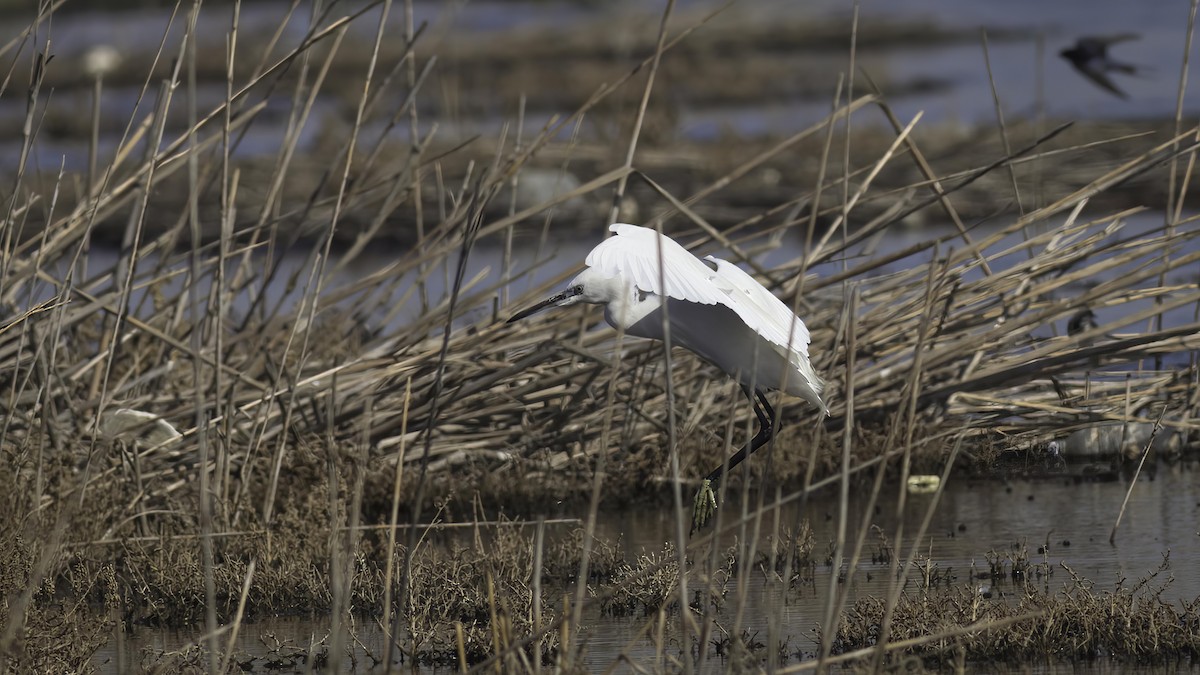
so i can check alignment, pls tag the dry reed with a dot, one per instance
(310, 405)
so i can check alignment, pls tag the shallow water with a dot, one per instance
(1028, 79)
(974, 516)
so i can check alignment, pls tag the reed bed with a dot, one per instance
(1081, 622)
(207, 421)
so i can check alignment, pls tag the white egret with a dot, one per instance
(714, 309)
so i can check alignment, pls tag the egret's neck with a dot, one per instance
(624, 304)
(627, 310)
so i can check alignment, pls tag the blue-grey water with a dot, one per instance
(974, 517)
(1030, 78)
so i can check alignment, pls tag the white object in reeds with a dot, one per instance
(127, 424)
(713, 308)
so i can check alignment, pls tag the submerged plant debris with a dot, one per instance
(1079, 622)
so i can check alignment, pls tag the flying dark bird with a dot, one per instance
(1081, 322)
(1090, 57)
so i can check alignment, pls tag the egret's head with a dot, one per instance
(593, 286)
(590, 286)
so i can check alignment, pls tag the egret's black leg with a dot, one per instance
(706, 501)
(766, 428)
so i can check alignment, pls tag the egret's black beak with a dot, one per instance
(548, 302)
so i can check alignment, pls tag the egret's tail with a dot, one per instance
(809, 386)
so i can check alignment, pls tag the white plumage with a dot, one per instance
(624, 268)
(720, 313)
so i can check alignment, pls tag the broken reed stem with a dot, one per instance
(911, 395)
(844, 475)
(207, 526)
(999, 108)
(1112, 536)
(227, 656)
(397, 481)
(1175, 200)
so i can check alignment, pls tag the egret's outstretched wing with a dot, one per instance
(760, 309)
(633, 254)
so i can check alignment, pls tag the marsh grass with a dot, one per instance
(1082, 621)
(313, 409)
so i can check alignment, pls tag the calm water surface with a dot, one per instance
(1029, 79)
(972, 518)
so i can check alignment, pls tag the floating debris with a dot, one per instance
(923, 484)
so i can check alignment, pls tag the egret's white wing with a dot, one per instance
(760, 309)
(633, 254)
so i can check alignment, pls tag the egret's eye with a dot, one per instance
(577, 289)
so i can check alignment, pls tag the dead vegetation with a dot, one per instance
(292, 405)
(1081, 622)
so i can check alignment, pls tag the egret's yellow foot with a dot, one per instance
(706, 505)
